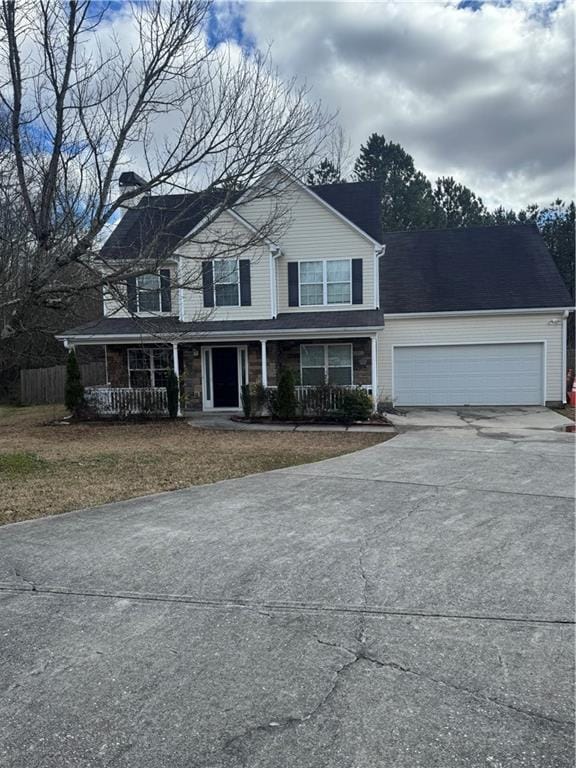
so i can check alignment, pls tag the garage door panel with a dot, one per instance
(475, 374)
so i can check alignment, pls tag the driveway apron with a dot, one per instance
(407, 605)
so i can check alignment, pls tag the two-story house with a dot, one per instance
(471, 316)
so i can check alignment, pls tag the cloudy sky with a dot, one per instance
(483, 91)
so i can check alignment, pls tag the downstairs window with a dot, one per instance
(326, 364)
(149, 367)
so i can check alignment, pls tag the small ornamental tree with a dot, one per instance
(173, 394)
(246, 398)
(286, 402)
(74, 389)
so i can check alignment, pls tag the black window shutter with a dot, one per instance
(245, 287)
(131, 295)
(293, 283)
(208, 283)
(357, 281)
(165, 291)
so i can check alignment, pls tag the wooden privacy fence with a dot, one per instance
(46, 385)
(124, 402)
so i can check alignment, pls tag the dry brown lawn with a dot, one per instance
(48, 468)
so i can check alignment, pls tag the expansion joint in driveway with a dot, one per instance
(266, 606)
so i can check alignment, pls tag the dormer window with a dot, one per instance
(150, 293)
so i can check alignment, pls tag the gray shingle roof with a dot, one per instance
(159, 222)
(477, 268)
(359, 202)
(169, 218)
(122, 326)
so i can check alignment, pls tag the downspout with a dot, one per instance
(274, 254)
(379, 251)
(564, 353)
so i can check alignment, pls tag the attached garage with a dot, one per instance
(469, 374)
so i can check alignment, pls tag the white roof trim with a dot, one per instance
(222, 335)
(473, 312)
(251, 227)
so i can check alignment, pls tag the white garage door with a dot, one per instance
(472, 374)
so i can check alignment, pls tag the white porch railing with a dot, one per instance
(124, 401)
(329, 398)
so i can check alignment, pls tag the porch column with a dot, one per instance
(176, 367)
(264, 363)
(374, 361)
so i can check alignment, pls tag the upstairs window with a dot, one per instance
(325, 282)
(326, 364)
(150, 293)
(226, 283)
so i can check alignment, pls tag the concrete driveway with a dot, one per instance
(407, 606)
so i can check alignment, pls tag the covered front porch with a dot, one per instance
(212, 372)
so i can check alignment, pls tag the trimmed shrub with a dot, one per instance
(285, 403)
(246, 398)
(74, 389)
(172, 394)
(355, 405)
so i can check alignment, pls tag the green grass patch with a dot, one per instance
(20, 464)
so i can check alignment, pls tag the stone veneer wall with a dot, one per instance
(191, 374)
(117, 365)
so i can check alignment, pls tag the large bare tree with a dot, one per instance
(87, 92)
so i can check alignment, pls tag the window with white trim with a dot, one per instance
(149, 367)
(148, 293)
(325, 282)
(326, 364)
(226, 283)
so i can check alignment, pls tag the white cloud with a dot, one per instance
(485, 95)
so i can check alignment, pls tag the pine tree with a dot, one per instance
(172, 394)
(74, 389)
(406, 194)
(457, 206)
(324, 173)
(286, 402)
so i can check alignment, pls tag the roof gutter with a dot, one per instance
(221, 335)
(474, 312)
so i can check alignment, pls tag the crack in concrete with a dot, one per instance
(120, 752)
(253, 605)
(473, 489)
(23, 578)
(235, 743)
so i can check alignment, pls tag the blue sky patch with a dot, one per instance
(226, 23)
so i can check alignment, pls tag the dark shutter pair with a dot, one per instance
(243, 276)
(165, 293)
(293, 282)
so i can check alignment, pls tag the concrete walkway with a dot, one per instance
(223, 421)
(407, 606)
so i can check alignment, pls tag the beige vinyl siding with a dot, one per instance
(229, 231)
(309, 231)
(474, 330)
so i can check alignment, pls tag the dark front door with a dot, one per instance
(225, 377)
